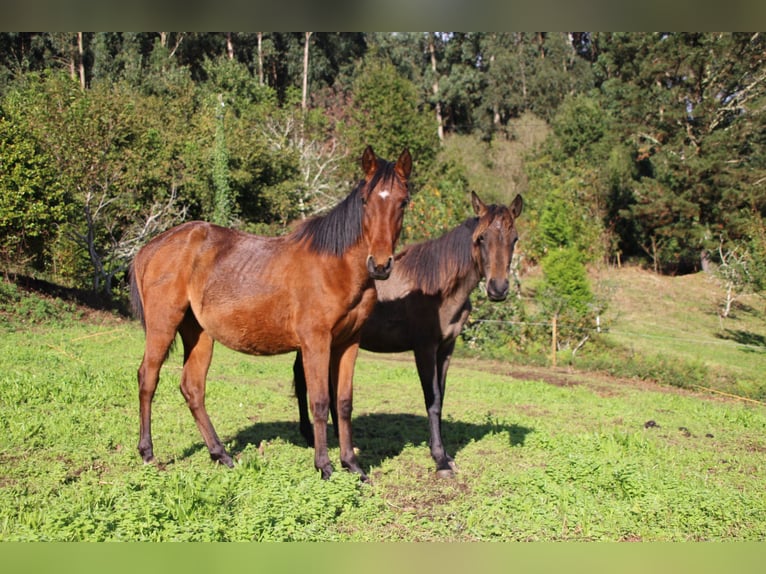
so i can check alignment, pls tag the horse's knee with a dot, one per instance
(345, 406)
(320, 409)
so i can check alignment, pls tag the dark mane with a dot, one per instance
(436, 265)
(341, 228)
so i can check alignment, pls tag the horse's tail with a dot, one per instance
(135, 298)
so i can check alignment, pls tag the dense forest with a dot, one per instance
(656, 149)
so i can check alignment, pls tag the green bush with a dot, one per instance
(19, 309)
(565, 292)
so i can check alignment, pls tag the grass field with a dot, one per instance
(543, 454)
(677, 318)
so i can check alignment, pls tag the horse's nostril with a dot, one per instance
(379, 271)
(497, 290)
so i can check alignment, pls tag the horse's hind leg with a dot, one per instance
(156, 351)
(299, 382)
(198, 352)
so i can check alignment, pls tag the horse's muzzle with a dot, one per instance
(379, 271)
(497, 290)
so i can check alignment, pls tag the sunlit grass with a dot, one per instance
(565, 458)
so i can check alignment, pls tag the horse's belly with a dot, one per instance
(255, 329)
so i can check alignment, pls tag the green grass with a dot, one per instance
(546, 456)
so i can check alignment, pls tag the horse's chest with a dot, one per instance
(350, 324)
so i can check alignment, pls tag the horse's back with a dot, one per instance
(172, 248)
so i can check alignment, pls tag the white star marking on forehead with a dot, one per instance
(384, 194)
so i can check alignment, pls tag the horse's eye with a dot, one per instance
(480, 239)
(405, 202)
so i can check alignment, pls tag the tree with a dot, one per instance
(741, 265)
(33, 203)
(223, 212)
(387, 113)
(110, 164)
(565, 294)
(690, 106)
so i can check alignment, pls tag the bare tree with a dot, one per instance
(733, 273)
(111, 244)
(319, 161)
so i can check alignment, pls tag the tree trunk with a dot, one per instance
(260, 57)
(435, 87)
(522, 69)
(229, 46)
(81, 60)
(304, 100)
(495, 105)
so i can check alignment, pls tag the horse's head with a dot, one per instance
(493, 242)
(385, 195)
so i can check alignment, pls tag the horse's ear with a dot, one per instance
(403, 165)
(369, 162)
(516, 206)
(479, 208)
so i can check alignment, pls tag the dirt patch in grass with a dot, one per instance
(603, 384)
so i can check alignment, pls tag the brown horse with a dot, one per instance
(310, 290)
(423, 306)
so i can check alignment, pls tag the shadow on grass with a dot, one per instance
(379, 436)
(753, 342)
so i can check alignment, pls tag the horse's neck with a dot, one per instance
(462, 288)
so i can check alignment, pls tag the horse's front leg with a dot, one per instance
(427, 360)
(341, 379)
(316, 365)
(443, 356)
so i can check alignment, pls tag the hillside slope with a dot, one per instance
(678, 319)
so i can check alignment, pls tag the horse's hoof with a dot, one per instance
(445, 473)
(452, 465)
(362, 476)
(222, 458)
(326, 472)
(355, 468)
(227, 461)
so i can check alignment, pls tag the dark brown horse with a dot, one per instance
(310, 290)
(423, 306)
